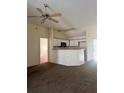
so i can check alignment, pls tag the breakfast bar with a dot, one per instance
(69, 56)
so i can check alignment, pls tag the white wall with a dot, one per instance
(90, 36)
(34, 33)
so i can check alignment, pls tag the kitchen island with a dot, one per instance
(68, 56)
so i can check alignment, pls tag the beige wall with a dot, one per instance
(59, 34)
(34, 33)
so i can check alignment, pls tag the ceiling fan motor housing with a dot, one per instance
(47, 15)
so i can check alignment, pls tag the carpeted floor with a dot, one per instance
(52, 78)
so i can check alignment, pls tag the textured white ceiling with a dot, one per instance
(75, 13)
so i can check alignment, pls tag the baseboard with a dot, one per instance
(32, 66)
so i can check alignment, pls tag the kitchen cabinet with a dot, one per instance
(82, 44)
(76, 43)
(71, 57)
(73, 42)
(57, 42)
(66, 41)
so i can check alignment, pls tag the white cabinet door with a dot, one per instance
(71, 43)
(57, 42)
(82, 44)
(75, 42)
(67, 42)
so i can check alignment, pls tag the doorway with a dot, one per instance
(43, 50)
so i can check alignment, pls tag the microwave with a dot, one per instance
(63, 44)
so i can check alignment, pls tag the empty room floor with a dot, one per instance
(53, 78)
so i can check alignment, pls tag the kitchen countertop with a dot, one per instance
(67, 48)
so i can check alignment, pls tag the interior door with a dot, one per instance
(43, 50)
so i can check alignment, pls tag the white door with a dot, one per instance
(43, 50)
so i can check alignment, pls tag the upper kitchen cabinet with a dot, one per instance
(73, 42)
(57, 42)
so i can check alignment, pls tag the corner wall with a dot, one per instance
(34, 33)
(91, 34)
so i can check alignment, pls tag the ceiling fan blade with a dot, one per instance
(56, 14)
(40, 10)
(53, 20)
(34, 16)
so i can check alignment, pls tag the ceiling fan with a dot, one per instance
(45, 15)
